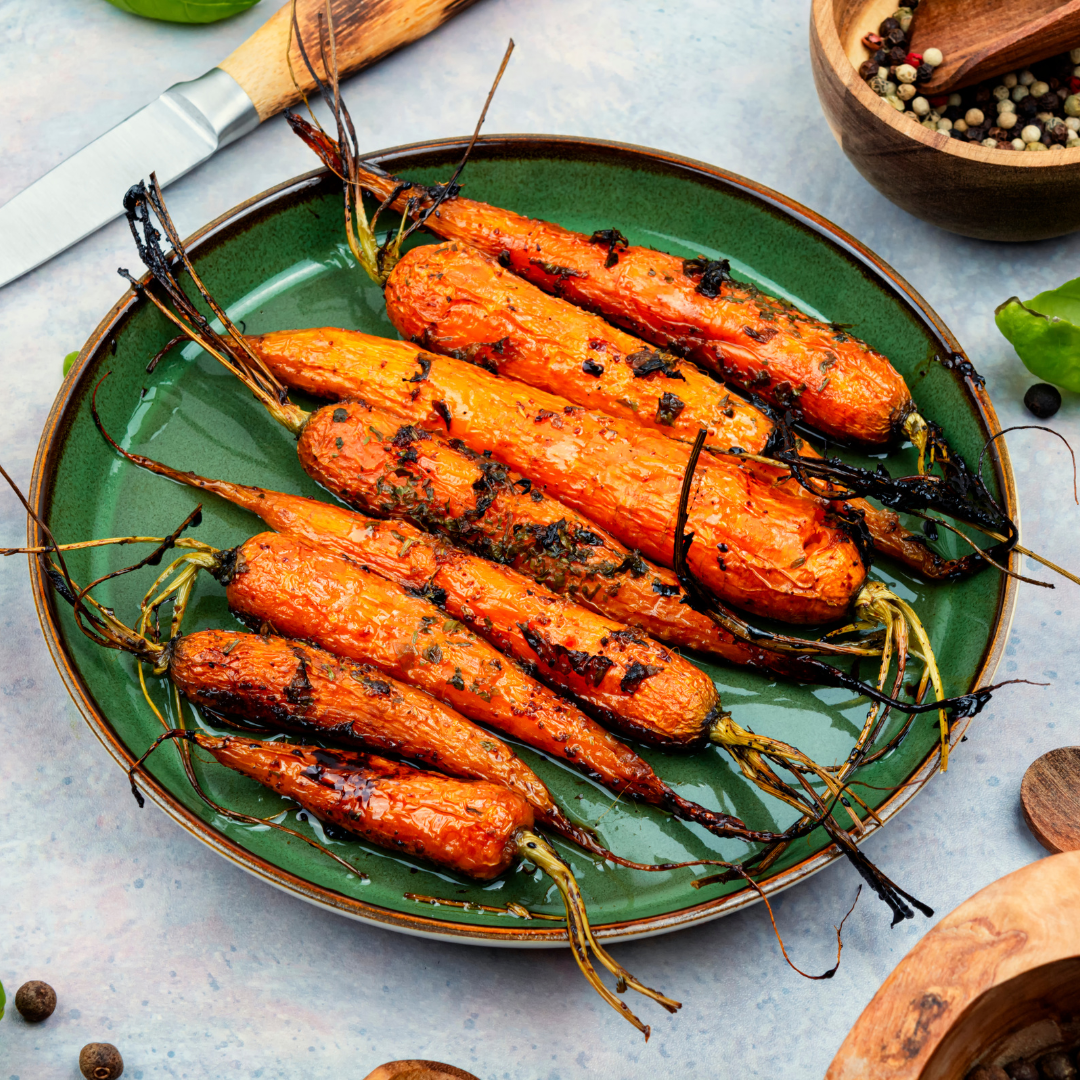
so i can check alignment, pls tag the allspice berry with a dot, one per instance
(100, 1061)
(35, 1001)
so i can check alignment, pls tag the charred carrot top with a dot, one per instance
(472, 827)
(457, 301)
(839, 384)
(756, 546)
(454, 300)
(284, 684)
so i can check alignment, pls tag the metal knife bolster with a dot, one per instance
(215, 104)
(170, 136)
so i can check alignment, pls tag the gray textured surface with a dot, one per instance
(192, 967)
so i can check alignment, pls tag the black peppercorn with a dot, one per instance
(868, 69)
(1042, 400)
(100, 1061)
(924, 73)
(1049, 102)
(1057, 1067)
(982, 95)
(954, 113)
(35, 1001)
(888, 25)
(1022, 1070)
(1004, 144)
(976, 134)
(897, 55)
(998, 133)
(1028, 107)
(1060, 134)
(897, 38)
(1045, 138)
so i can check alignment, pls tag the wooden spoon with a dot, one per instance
(981, 38)
(1050, 799)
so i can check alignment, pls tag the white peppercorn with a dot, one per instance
(1072, 122)
(903, 16)
(991, 143)
(1001, 93)
(1044, 116)
(959, 125)
(1031, 134)
(1009, 80)
(906, 91)
(890, 87)
(1025, 78)
(1055, 146)
(905, 73)
(1037, 89)
(896, 103)
(879, 85)
(932, 57)
(1076, 70)
(1019, 144)
(1073, 141)
(921, 107)
(1034, 146)
(1074, 55)
(1072, 105)
(955, 100)
(944, 125)
(1019, 93)
(1006, 120)
(974, 117)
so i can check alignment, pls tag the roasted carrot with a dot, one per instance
(296, 687)
(618, 674)
(838, 384)
(454, 300)
(474, 828)
(757, 546)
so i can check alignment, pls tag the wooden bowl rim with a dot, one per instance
(823, 26)
(929, 970)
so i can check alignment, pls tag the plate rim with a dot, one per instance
(400, 158)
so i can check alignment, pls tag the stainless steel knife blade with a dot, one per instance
(170, 136)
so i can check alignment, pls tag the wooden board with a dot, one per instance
(419, 1070)
(1050, 799)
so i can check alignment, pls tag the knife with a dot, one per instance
(191, 120)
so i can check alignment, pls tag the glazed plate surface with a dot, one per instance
(280, 261)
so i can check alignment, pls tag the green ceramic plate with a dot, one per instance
(280, 261)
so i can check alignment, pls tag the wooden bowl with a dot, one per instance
(996, 980)
(963, 187)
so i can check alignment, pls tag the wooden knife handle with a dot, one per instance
(364, 30)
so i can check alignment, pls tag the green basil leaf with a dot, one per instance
(184, 11)
(69, 360)
(1045, 332)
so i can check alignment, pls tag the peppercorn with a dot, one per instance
(1028, 107)
(888, 25)
(872, 41)
(868, 69)
(996, 133)
(976, 134)
(1018, 144)
(1006, 120)
(932, 57)
(897, 54)
(1049, 102)
(1057, 1066)
(905, 73)
(1042, 400)
(906, 91)
(100, 1061)
(1072, 105)
(35, 1001)
(1024, 1070)
(1038, 88)
(982, 95)
(924, 73)
(954, 113)
(1002, 144)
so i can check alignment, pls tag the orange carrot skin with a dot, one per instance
(417, 476)
(454, 300)
(839, 385)
(756, 546)
(457, 301)
(621, 676)
(468, 826)
(286, 685)
(306, 592)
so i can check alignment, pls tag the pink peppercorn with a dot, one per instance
(914, 59)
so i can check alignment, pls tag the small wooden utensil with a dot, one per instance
(1050, 799)
(419, 1070)
(988, 37)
